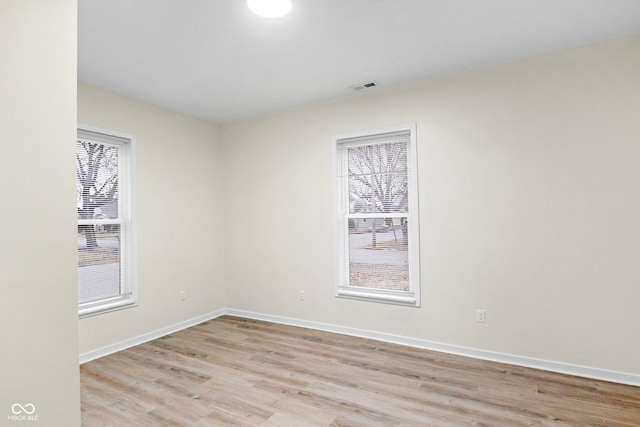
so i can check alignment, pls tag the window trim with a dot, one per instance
(127, 213)
(342, 288)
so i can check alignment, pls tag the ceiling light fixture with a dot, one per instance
(270, 8)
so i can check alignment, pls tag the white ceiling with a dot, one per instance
(215, 60)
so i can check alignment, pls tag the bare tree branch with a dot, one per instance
(378, 177)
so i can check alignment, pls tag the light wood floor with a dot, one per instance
(237, 372)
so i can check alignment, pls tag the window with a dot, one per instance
(377, 232)
(105, 228)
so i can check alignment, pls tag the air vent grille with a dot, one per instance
(363, 86)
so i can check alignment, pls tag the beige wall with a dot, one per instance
(179, 209)
(530, 209)
(38, 307)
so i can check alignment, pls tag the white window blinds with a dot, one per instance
(102, 198)
(378, 250)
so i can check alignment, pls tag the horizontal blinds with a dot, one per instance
(374, 187)
(100, 263)
(377, 178)
(102, 237)
(379, 254)
(98, 175)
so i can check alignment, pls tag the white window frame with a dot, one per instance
(342, 287)
(127, 156)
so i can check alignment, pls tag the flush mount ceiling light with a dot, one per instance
(270, 8)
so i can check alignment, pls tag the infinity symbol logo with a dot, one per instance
(18, 409)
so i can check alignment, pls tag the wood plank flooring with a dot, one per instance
(238, 372)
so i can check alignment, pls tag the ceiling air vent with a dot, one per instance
(367, 85)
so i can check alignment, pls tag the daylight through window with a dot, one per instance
(103, 171)
(377, 234)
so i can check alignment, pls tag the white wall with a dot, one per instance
(529, 203)
(179, 205)
(529, 209)
(38, 309)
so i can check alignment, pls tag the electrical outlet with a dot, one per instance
(481, 316)
(301, 295)
(183, 295)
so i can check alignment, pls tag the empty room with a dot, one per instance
(330, 213)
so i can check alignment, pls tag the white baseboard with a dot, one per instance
(123, 345)
(547, 365)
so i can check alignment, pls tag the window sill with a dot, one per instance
(375, 295)
(106, 306)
